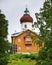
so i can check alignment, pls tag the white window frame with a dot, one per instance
(19, 48)
(28, 39)
(28, 47)
(19, 40)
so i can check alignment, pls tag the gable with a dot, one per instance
(27, 32)
(25, 35)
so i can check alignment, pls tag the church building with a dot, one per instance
(22, 41)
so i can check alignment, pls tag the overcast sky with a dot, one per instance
(14, 9)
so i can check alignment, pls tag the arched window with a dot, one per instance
(25, 26)
(19, 48)
(19, 40)
(27, 33)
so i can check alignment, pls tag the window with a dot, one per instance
(19, 48)
(28, 46)
(28, 39)
(25, 26)
(27, 33)
(19, 40)
(14, 47)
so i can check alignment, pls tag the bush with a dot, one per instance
(32, 56)
(21, 56)
(4, 59)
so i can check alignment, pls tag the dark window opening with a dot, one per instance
(25, 26)
(27, 33)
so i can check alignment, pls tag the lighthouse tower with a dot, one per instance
(26, 21)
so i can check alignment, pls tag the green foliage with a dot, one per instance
(3, 59)
(3, 26)
(3, 32)
(20, 56)
(37, 39)
(44, 23)
(4, 44)
(20, 59)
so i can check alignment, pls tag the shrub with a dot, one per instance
(4, 59)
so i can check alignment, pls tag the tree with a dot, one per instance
(3, 31)
(44, 23)
(4, 44)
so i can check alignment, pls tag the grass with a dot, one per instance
(18, 59)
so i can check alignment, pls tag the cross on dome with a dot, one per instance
(26, 11)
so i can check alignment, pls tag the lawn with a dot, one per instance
(18, 59)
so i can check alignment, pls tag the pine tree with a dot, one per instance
(3, 32)
(4, 44)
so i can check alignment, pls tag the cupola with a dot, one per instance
(26, 20)
(26, 17)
